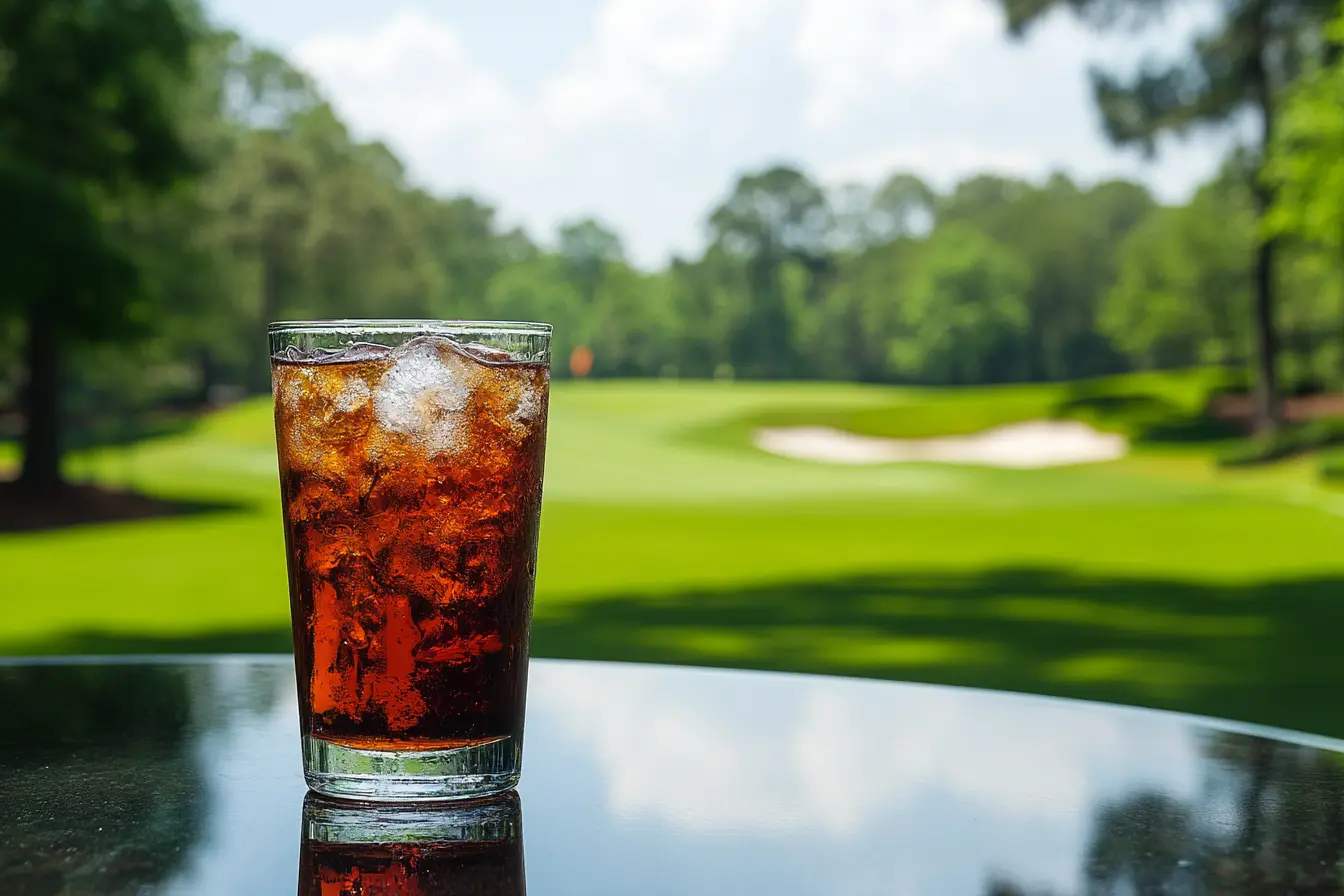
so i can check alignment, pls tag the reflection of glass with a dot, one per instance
(410, 462)
(352, 849)
(100, 791)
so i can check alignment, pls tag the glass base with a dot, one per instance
(396, 776)
(494, 819)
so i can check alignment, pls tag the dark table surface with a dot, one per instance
(182, 776)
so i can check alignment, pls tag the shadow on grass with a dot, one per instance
(82, 505)
(1264, 652)
(122, 428)
(103, 643)
(1148, 418)
(1261, 652)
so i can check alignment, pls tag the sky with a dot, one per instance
(642, 113)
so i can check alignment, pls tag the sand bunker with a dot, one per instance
(1030, 445)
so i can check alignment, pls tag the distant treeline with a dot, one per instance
(997, 280)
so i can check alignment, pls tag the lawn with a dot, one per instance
(1157, 580)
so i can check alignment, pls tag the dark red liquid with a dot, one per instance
(412, 491)
(433, 869)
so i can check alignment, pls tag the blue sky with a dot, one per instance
(643, 112)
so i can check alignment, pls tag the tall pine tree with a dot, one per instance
(1244, 65)
(86, 119)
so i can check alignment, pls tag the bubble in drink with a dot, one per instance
(412, 488)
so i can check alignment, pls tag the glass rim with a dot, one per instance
(410, 325)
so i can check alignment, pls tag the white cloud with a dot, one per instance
(414, 82)
(648, 117)
(853, 50)
(640, 51)
(645, 779)
(829, 755)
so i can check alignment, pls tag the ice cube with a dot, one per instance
(290, 385)
(325, 394)
(424, 393)
(354, 396)
(528, 408)
(324, 413)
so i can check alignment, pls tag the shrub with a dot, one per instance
(1287, 442)
(1332, 467)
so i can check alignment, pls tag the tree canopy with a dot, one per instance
(1256, 53)
(88, 120)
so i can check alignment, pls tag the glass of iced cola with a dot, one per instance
(411, 457)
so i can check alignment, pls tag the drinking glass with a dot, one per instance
(411, 457)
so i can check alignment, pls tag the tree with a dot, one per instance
(265, 197)
(1306, 167)
(709, 302)
(772, 217)
(460, 233)
(863, 217)
(364, 253)
(987, 200)
(861, 313)
(853, 228)
(904, 206)
(587, 246)
(86, 120)
(961, 310)
(537, 289)
(632, 331)
(178, 239)
(1247, 64)
(1307, 163)
(1183, 276)
(1068, 236)
(262, 188)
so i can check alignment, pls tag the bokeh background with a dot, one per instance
(784, 245)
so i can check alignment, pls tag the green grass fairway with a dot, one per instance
(1157, 580)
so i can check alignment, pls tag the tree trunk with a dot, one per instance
(41, 471)
(205, 363)
(1267, 408)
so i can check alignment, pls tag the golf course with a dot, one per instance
(1160, 579)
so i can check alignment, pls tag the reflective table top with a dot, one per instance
(182, 776)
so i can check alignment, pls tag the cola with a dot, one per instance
(411, 484)
(471, 849)
(411, 869)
